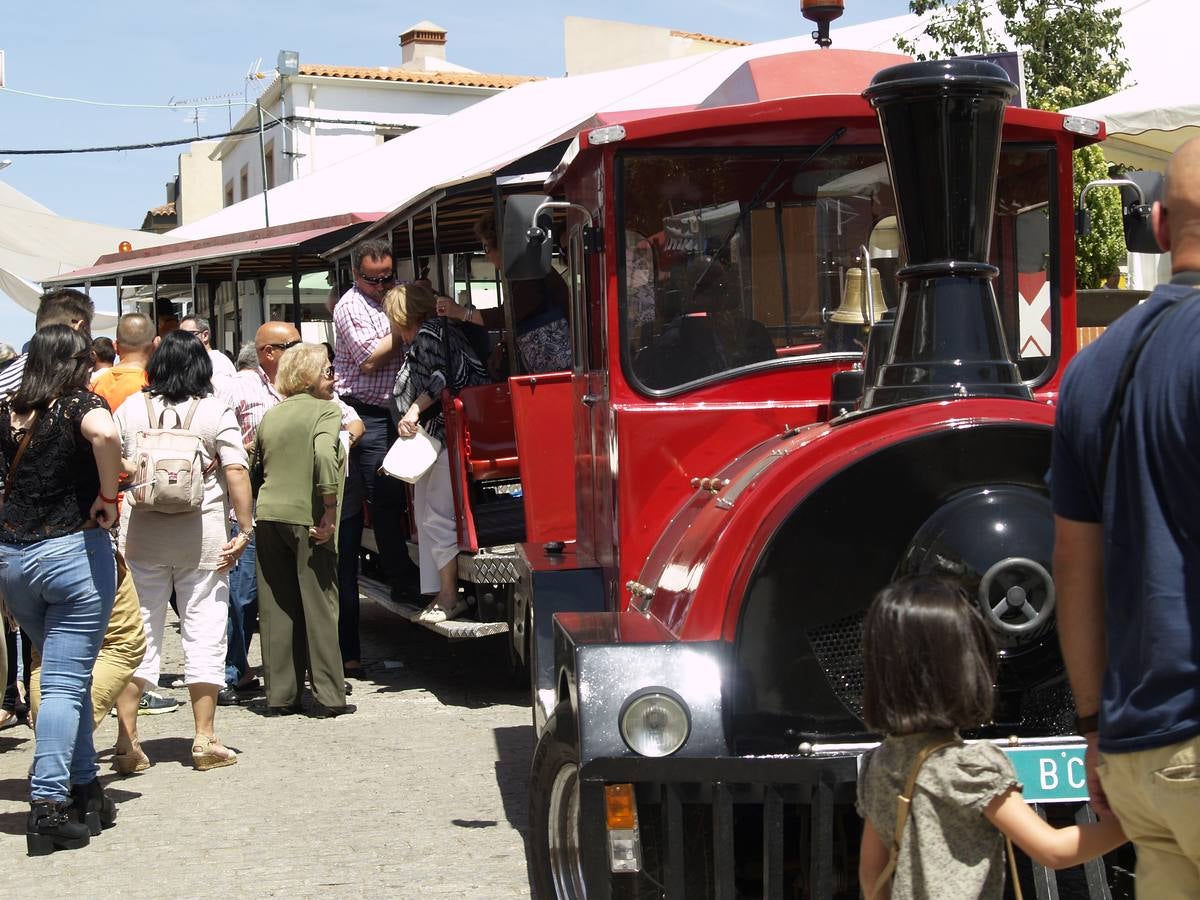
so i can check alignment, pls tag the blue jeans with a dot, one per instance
(243, 612)
(61, 590)
(388, 503)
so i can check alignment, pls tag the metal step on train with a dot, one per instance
(455, 630)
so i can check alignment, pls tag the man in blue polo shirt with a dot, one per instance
(1127, 553)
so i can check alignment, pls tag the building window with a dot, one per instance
(245, 182)
(269, 164)
(229, 193)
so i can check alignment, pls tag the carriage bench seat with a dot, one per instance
(494, 467)
(481, 445)
(484, 426)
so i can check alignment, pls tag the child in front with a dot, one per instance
(930, 667)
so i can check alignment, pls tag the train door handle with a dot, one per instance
(590, 399)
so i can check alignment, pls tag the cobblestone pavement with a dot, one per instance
(420, 793)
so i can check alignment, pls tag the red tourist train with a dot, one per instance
(816, 341)
(779, 407)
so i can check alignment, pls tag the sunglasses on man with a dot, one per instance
(281, 347)
(378, 279)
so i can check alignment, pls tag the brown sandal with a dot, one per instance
(131, 761)
(209, 753)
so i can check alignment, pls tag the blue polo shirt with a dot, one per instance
(1150, 508)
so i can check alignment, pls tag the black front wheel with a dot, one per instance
(556, 858)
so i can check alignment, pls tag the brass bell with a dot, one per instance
(854, 299)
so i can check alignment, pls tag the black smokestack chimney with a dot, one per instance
(941, 123)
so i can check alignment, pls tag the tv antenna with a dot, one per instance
(198, 104)
(253, 75)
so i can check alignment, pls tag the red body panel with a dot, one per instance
(542, 417)
(704, 561)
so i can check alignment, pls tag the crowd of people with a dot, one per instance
(150, 470)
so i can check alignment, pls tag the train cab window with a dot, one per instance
(1023, 250)
(735, 260)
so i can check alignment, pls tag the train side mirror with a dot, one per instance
(526, 245)
(1135, 211)
(1139, 190)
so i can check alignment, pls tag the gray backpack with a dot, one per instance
(169, 469)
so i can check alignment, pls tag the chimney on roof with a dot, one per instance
(420, 42)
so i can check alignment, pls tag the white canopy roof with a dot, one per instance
(485, 137)
(508, 126)
(482, 137)
(35, 243)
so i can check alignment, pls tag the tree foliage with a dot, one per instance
(1073, 54)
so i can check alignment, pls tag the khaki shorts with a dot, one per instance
(1156, 795)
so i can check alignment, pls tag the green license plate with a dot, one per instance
(1050, 774)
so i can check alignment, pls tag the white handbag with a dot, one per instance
(411, 457)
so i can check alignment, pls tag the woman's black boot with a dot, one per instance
(92, 806)
(51, 828)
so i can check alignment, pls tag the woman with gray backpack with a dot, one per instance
(183, 451)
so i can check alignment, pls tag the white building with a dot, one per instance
(325, 114)
(598, 45)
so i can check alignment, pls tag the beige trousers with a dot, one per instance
(1156, 796)
(120, 653)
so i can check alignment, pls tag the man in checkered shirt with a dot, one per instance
(366, 362)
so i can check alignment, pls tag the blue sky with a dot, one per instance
(143, 52)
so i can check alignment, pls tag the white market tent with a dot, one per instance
(1148, 121)
(1145, 122)
(36, 244)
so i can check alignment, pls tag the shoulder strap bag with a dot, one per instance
(1123, 380)
(904, 803)
(16, 460)
(7, 622)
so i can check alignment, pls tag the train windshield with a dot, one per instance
(740, 259)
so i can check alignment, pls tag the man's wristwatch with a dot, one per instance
(1087, 724)
(249, 533)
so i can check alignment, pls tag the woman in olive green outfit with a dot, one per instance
(299, 462)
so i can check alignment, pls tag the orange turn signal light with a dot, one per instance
(619, 807)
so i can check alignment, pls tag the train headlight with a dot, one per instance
(655, 723)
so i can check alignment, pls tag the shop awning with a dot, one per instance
(263, 253)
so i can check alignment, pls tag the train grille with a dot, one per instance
(838, 648)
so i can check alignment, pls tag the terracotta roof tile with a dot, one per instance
(709, 39)
(167, 209)
(459, 79)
